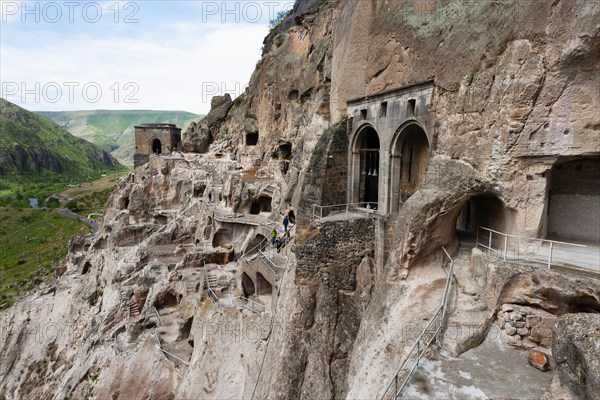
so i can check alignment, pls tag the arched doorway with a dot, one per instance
(156, 146)
(366, 168)
(410, 156)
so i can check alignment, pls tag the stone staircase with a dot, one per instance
(212, 280)
(134, 309)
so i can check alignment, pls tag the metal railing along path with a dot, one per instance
(166, 352)
(424, 340)
(320, 212)
(248, 304)
(539, 251)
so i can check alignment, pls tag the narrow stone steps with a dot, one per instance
(134, 309)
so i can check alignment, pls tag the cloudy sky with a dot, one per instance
(153, 54)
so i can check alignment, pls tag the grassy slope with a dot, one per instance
(30, 130)
(32, 243)
(76, 158)
(113, 130)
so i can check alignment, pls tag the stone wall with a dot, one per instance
(523, 326)
(335, 179)
(332, 252)
(325, 181)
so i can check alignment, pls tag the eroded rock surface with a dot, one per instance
(514, 94)
(576, 348)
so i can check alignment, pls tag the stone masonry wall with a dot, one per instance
(332, 251)
(523, 326)
(335, 181)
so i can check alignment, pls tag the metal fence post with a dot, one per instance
(550, 255)
(505, 246)
(490, 242)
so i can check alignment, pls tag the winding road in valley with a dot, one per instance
(90, 222)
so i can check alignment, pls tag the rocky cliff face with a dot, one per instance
(131, 316)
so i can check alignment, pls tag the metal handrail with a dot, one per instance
(166, 352)
(411, 360)
(508, 251)
(258, 246)
(254, 303)
(211, 292)
(268, 263)
(344, 208)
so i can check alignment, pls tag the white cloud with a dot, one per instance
(172, 62)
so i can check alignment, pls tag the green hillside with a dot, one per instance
(38, 157)
(113, 130)
(32, 244)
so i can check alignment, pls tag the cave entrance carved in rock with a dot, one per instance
(256, 244)
(483, 210)
(573, 201)
(262, 285)
(247, 285)
(409, 159)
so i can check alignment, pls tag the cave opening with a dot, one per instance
(285, 150)
(483, 210)
(262, 285)
(260, 205)
(222, 238)
(573, 201)
(247, 285)
(251, 139)
(256, 244)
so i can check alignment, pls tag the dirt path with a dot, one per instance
(90, 222)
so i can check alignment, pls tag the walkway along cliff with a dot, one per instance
(394, 131)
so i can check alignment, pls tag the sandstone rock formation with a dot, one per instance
(199, 136)
(514, 95)
(576, 347)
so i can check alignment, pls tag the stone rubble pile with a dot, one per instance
(523, 326)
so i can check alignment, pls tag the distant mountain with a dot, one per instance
(35, 146)
(113, 130)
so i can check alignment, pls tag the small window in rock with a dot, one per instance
(285, 150)
(383, 109)
(252, 139)
(255, 208)
(363, 113)
(293, 95)
(412, 104)
(199, 190)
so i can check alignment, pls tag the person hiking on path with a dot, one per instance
(273, 237)
(286, 221)
(278, 244)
